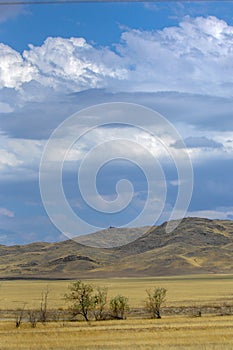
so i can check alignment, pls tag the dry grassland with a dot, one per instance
(183, 290)
(171, 332)
(203, 333)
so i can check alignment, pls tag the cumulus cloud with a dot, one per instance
(14, 70)
(62, 64)
(194, 57)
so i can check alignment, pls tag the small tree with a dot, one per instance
(43, 306)
(100, 301)
(81, 298)
(119, 306)
(154, 301)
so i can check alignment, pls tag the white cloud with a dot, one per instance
(194, 57)
(115, 142)
(19, 158)
(8, 159)
(6, 212)
(62, 64)
(14, 70)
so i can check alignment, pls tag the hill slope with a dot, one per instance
(196, 246)
(112, 237)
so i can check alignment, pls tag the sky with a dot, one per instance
(175, 58)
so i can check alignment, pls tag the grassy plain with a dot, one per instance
(203, 333)
(209, 332)
(181, 290)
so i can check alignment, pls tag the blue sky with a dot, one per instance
(174, 57)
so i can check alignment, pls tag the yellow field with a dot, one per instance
(204, 333)
(184, 290)
(171, 332)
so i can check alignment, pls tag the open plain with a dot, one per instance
(212, 294)
(205, 333)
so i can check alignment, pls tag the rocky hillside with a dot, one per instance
(196, 246)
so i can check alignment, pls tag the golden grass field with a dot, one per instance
(168, 333)
(181, 290)
(171, 332)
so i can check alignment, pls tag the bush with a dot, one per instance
(154, 301)
(100, 301)
(118, 307)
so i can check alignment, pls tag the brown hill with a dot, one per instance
(196, 246)
(112, 237)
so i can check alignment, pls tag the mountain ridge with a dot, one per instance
(197, 245)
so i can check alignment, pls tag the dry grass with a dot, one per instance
(169, 333)
(184, 290)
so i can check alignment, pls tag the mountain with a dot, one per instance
(196, 246)
(112, 237)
